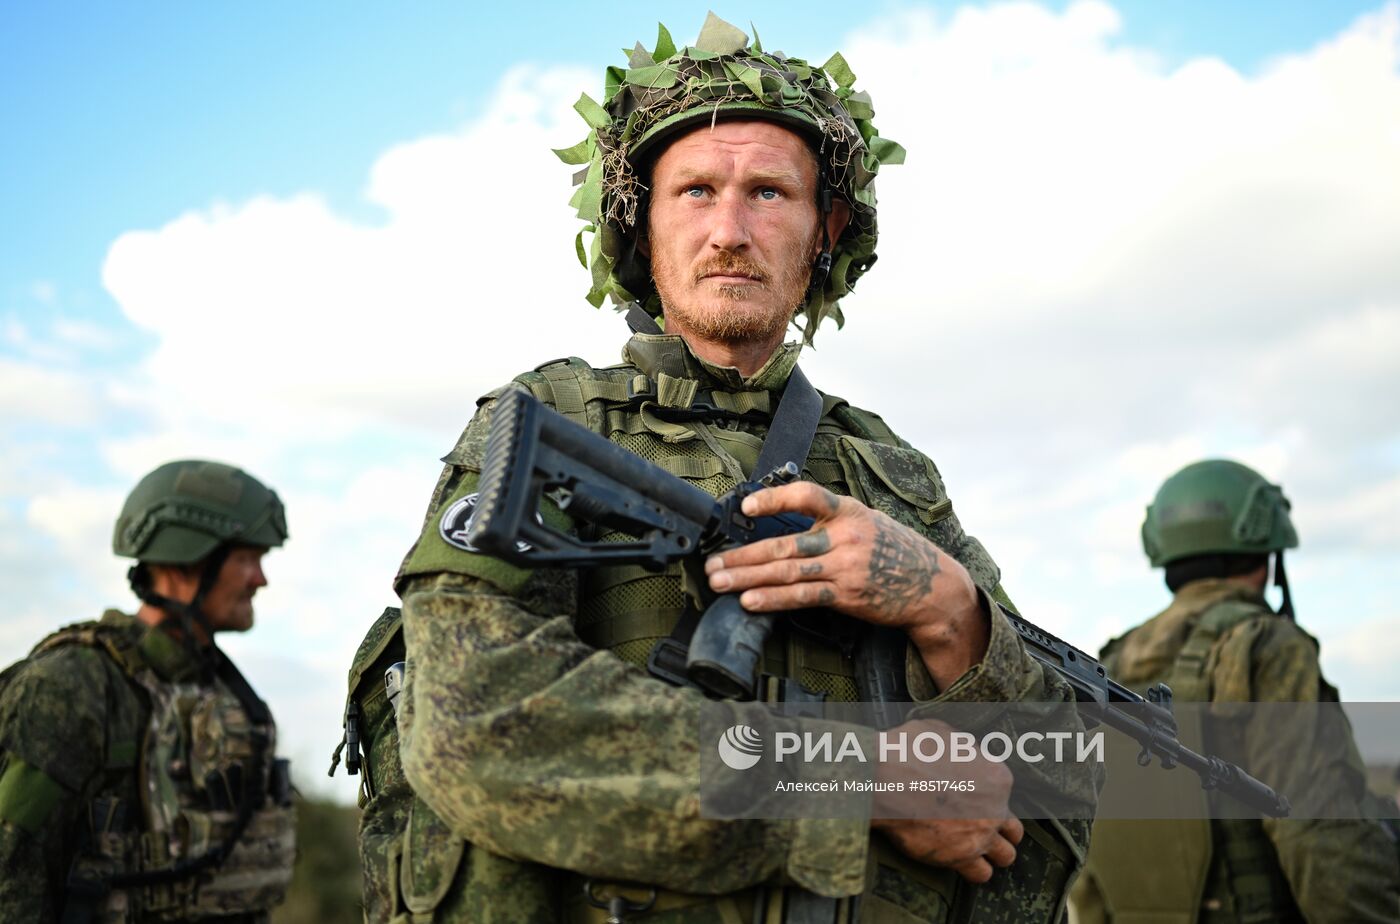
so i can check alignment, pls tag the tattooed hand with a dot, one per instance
(864, 564)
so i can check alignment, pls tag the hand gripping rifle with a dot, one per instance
(533, 452)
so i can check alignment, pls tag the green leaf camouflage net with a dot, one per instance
(662, 93)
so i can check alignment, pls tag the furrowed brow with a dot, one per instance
(790, 178)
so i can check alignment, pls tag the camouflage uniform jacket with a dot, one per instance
(71, 728)
(1321, 870)
(526, 723)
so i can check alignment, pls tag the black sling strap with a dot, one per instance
(640, 321)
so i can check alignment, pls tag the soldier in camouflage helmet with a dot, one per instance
(728, 192)
(1213, 527)
(138, 781)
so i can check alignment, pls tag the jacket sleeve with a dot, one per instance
(52, 740)
(1339, 869)
(539, 747)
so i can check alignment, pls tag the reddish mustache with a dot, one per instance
(731, 265)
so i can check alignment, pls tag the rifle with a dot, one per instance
(533, 452)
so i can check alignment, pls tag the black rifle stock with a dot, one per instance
(533, 453)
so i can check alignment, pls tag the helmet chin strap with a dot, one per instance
(1281, 581)
(189, 614)
(821, 269)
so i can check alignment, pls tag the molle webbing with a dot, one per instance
(1250, 875)
(1247, 867)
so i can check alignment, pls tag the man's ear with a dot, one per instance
(643, 243)
(836, 221)
(178, 582)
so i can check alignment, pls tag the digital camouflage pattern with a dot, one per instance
(723, 75)
(529, 728)
(412, 862)
(72, 726)
(1321, 871)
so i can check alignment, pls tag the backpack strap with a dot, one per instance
(865, 424)
(569, 385)
(109, 635)
(1188, 678)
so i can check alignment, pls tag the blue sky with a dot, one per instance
(304, 237)
(121, 115)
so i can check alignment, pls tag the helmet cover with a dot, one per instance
(664, 92)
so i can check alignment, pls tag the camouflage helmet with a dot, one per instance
(1216, 506)
(664, 92)
(183, 511)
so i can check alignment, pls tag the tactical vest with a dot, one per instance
(198, 752)
(1184, 871)
(415, 869)
(628, 609)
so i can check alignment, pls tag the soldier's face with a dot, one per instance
(229, 603)
(733, 230)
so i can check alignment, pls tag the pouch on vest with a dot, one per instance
(1157, 871)
(197, 751)
(415, 868)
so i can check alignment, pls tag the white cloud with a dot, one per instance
(37, 392)
(284, 316)
(43, 291)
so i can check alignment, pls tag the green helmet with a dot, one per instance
(664, 92)
(183, 511)
(1216, 506)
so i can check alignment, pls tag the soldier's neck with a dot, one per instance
(155, 616)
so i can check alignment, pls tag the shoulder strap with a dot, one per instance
(640, 321)
(794, 425)
(1188, 674)
(568, 385)
(865, 424)
(104, 636)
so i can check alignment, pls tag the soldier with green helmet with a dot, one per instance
(547, 772)
(1213, 527)
(138, 776)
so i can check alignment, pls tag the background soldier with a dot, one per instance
(1213, 526)
(730, 191)
(137, 776)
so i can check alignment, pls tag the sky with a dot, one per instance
(304, 238)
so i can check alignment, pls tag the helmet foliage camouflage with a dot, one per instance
(184, 510)
(664, 92)
(1216, 507)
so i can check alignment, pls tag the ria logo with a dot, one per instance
(740, 747)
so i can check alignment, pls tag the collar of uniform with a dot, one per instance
(168, 655)
(1198, 596)
(669, 354)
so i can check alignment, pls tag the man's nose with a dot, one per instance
(258, 578)
(730, 228)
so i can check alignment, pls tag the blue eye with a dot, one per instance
(695, 192)
(768, 194)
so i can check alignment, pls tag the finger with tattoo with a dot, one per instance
(810, 545)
